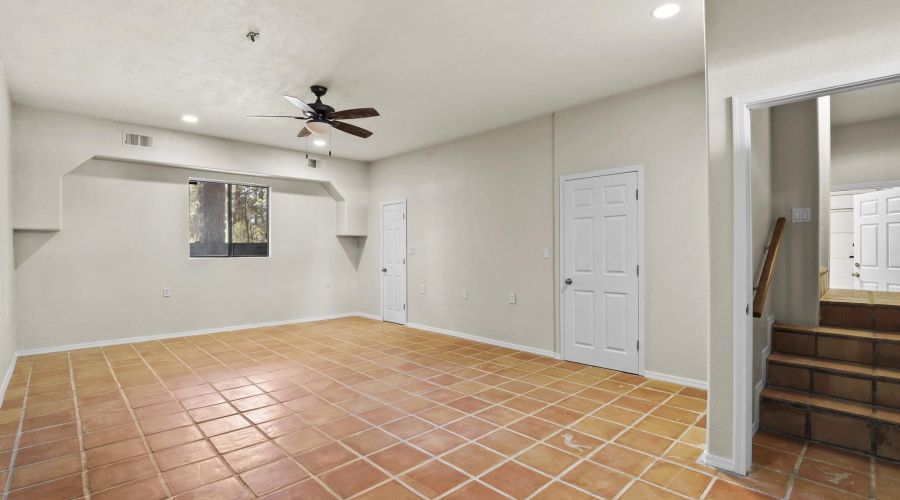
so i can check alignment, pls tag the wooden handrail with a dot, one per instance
(765, 278)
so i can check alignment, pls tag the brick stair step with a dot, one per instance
(843, 344)
(837, 379)
(863, 427)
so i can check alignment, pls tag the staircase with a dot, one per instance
(838, 383)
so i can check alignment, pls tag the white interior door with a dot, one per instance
(601, 302)
(393, 262)
(876, 238)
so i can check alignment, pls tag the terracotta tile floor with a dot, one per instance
(355, 408)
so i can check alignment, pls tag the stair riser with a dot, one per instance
(862, 434)
(866, 317)
(855, 350)
(865, 389)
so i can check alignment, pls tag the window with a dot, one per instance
(228, 220)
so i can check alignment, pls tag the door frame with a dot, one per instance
(742, 430)
(639, 169)
(381, 253)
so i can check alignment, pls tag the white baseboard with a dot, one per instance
(130, 340)
(725, 464)
(369, 316)
(9, 372)
(697, 384)
(499, 343)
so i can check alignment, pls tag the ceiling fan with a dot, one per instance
(320, 118)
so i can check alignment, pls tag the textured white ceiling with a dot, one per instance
(436, 70)
(875, 103)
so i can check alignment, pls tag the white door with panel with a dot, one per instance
(876, 240)
(393, 262)
(601, 288)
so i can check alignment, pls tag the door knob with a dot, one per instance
(856, 275)
(384, 269)
(568, 281)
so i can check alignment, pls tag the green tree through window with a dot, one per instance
(228, 220)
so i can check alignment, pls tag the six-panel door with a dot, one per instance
(600, 244)
(393, 255)
(876, 237)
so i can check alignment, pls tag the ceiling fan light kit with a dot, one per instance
(322, 118)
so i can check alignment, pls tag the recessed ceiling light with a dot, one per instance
(319, 142)
(666, 11)
(190, 118)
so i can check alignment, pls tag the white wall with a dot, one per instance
(125, 239)
(479, 213)
(663, 128)
(7, 302)
(794, 293)
(761, 178)
(753, 46)
(49, 145)
(482, 208)
(866, 152)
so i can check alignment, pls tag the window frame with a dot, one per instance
(228, 191)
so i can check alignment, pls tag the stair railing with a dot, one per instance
(765, 278)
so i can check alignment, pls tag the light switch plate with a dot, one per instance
(167, 292)
(465, 293)
(512, 298)
(328, 282)
(412, 250)
(423, 288)
(800, 215)
(546, 253)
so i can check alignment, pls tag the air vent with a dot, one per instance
(137, 140)
(316, 164)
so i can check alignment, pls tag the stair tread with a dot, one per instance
(838, 332)
(836, 366)
(819, 401)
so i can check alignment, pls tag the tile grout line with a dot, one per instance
(84, 468)
(417, 356)
(175, 399)
(252, 425)
(538, 441)
(15, 451)
(137, 424)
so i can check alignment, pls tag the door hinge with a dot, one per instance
(404, 307)
(638, 270)
(404, 216)
(636, 194)
(404, 261)
(639, 345)
(747, 309)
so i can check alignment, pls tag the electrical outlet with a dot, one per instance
(327, 281)
(546, 253)
(423, 288)
(412, 250)
(167, 292)
(465, 293)
(512, 298)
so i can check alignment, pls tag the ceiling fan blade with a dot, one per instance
(304, 132)
(277, 116)
(349, 114)
(302, 105)
(351, 129)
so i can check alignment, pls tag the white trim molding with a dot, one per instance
(639, 169)
(717, 462)
(697, 384)
(476, 338)
(6, 379)
(742, 430)
(368, 316)
(149, 338)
